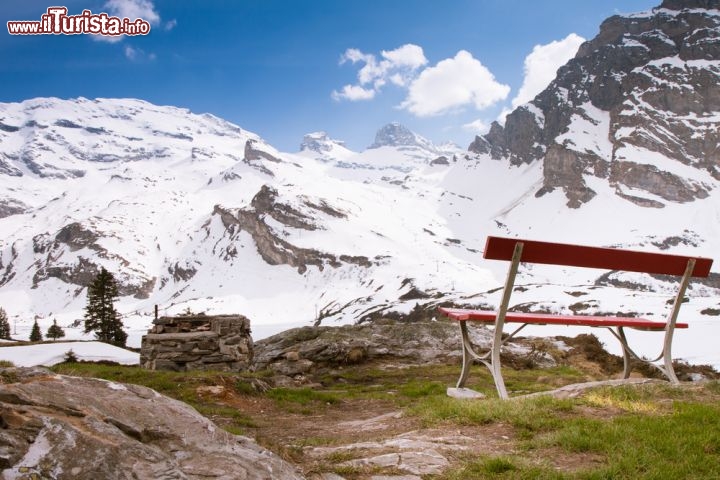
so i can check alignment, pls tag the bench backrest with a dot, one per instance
(498, 248)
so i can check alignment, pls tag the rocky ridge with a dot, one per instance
(646, 86)
(303, 352)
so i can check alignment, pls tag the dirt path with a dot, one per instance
(359, 438)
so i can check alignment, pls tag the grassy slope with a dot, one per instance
(650, 431)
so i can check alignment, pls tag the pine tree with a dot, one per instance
(71, 357)
(100, 314)
(4, 325)
(35, 333)
(55, 331)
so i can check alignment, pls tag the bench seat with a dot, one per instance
(489, 316)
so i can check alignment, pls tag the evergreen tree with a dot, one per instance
(70, 357)
(35, 333)
(4, 325)
(100, 314)
(55, 331)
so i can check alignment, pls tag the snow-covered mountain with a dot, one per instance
(192, 211)
(320, 146)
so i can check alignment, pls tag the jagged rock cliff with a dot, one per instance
(638, 106)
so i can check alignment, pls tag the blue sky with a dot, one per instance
(445, 69)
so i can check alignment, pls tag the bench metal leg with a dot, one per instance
(669, 371)
(666, 355)
(489, 359)
(492, 360)
(467, 355)
(627, 353)
(629, 357)
(496, 373)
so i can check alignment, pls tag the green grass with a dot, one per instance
(176, 383)
(682, 444)
(527, 416)
(653, 431)
(500, 468)
(418, 389)
(650, 432)
(302, 396)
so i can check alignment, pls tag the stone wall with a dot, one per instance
(198, 342)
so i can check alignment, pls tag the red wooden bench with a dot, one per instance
(528, 251)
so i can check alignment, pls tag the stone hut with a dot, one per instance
(198, 342)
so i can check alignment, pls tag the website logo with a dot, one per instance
(56, 21)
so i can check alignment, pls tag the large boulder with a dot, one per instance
(302, 351)
(61, 427)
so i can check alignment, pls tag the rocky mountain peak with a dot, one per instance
(319, 142)
(637, 105)
(684, 4)
(397, 135)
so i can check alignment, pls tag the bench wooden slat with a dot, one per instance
(488, 316)
(497, 248)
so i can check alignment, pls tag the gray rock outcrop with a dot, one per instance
(273, 249)
(300, 351)
(61, 427)
(88, 238)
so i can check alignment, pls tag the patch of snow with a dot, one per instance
(29, 465)
(588, 132)
(116, 386)
(537, 112)
(49, 354)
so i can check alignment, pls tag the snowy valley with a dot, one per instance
(192, 212)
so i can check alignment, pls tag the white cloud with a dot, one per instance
(138, 54)
(453, 84)
(353, 93)
(409, 55)
(397, 66)
(132, 9)
(170, 25)
(131, 53)
(542, 64)
(107, 38)
(477, 127)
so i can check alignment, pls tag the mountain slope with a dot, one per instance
(190, 211)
